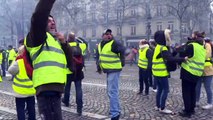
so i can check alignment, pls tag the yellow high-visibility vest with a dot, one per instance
(195, 64)
(143, 60)
(50, 66)
(159, 68)
(107, 58)
(22, 83)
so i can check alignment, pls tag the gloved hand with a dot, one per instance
(99, 69)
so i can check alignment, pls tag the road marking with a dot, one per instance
(97, 116)
(124, 75)
(6, 109)
(92, 115)
(93, 84)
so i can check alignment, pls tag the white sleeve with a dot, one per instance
(13, 69)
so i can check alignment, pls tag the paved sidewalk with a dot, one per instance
(96, 103)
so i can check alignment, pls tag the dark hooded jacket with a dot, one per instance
(160, 39)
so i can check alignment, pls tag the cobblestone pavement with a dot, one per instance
(96, 103)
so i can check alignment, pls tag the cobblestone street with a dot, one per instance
(96, 103)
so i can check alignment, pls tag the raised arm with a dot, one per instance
(37, 34)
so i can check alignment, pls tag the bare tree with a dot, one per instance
(178, 8)
(197, 14)
(71, 9)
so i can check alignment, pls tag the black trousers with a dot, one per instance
(143, 79)
(49, 105)
(189, 95)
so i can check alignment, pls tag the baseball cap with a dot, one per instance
(108, 30)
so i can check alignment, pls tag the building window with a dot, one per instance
(159, 26)
(93, 32)
(118, 31)
(133, 30)
(171, 26)
(93, 16)
(159, 11)
(184, 28)
(133, 12)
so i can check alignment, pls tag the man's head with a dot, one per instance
(71, 37)
(10, 47)
(163, 37)
(107, 35)
(51, 26)
(21, 42)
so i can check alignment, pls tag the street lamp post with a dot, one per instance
(148, 17)
(210, 17)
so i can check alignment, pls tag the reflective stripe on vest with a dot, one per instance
(208, 62)
(158, 65)
(143, 61)
(195, 64)
(50, 66)
(107, 58)
(21, 83)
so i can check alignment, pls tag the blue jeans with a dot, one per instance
(21, 105)
(162, 91)
(155, 84)
(78, 90)
(113, 93)
(207, 80)
(49, 105)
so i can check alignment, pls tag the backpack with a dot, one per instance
(28, 61)
(170, 65)
(76, 59)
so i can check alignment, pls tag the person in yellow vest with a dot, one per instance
(75, 77)
(12, 54)
(47, 49)
(23, 88)
(83, 43)
(144, 61)
(207, 76)
(1, 61)
(160, 69)
(111, 61)
(191, 72)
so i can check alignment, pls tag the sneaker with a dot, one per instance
(154, 90)
(206, 107)
(157, 109)
(166, 111)
(116, 117)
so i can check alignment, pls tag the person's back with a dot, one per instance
(49, 73)
(23, 88)
(75, 73)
